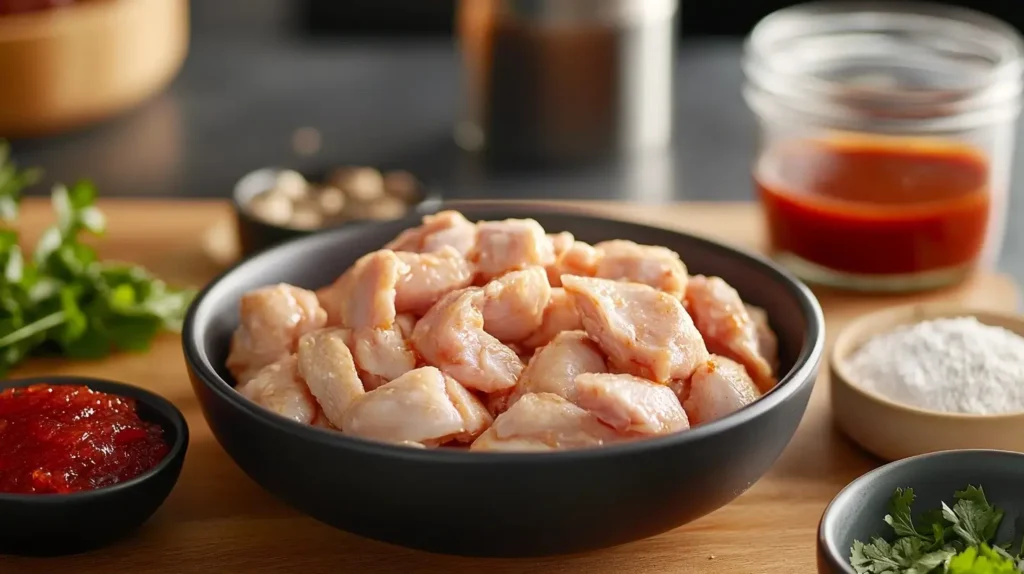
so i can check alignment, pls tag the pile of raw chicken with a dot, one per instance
(502, 337)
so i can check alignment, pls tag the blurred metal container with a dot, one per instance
(557, 81)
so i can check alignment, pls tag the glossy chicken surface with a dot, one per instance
(554, 368)
(644, 331)
(272, 320)
(502, 336)
(630, 404)
(719, 387)
(727, 327)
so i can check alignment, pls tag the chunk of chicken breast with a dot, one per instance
(416, 407)
(767, 342)
(382, 355)
(643, 331)
(514, 304)
(653, 265)
(325, 362)
(554, 367)
(572, 257)
(509, 245)
(440, 230)
(271, 322)
(544, 422)
(723, 320)
(277, 388)
(430, 277)
(320, 420)
(718, 387)
(364, 296)
(559, 315)
(406, 323)
(475, 417)
(451, 336)
(631, 405)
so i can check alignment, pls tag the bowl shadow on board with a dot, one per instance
(857, 512)
(63, 524)
(504, 504)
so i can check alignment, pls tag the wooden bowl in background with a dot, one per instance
(75, 65)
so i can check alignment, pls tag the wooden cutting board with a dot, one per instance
(218, 520)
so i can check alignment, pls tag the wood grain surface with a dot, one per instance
(218, 520)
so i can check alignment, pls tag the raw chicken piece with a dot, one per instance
(451, 336)
(415, 407)
(272, 320)
(508, 245)
(277, 388)
(652, 265)
(719, 386)
(326, 364)
(430, 277)
(561, 242)
(364, 296)
(572, 257)
(406, 323)
(443, 229)
(643, 331)
(475, 416)
(767, 342)
(514, 304)
(320, 420)
(554, 367)
(630, 404)
(723, 320)
(498, 402)
(382, 355)
(544, 422)
(559, 315)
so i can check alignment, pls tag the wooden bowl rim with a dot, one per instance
(855, 334)
(65, 19)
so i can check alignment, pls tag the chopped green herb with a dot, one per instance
(63, 298)
(950, 540)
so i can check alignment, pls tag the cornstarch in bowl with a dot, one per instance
(951, 365)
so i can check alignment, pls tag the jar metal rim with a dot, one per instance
(999, 87)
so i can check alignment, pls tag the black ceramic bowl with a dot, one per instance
(856, 513)
(504, 504)
(59, 524)
(255, 234)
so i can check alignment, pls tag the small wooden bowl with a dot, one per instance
(74, 65)
(892, 430)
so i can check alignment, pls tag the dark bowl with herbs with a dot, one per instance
(949, 512)
(273, 205)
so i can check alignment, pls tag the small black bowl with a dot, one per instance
(504, 504)
(61, 524)
(856, 512)
(255, 235)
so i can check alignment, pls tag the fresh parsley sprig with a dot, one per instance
(950, 540)
(62, 299)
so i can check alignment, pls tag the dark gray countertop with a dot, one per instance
(238, 101)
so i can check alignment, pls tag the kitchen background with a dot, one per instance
(313, 84)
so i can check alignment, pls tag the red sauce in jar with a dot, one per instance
(66, 438)
(875, 208)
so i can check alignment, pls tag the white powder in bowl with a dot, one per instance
(957, 365)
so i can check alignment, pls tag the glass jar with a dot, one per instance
(887, 134)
